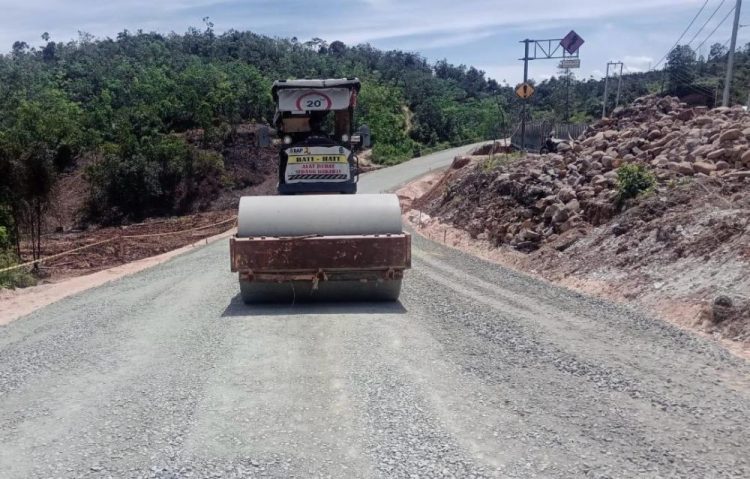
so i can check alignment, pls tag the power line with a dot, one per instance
(688, 83)
(684, 32)
(686, 79)
(717, 27)
(706, 23)
(692, 86)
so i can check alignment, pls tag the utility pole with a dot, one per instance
(567, 95)
(604, 100)
(606, 86)
(525, 102)
(730, 59)
(619, 86)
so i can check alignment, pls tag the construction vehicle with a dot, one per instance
(318, 240)
(551, 144)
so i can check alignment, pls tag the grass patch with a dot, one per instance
(498, 160)
(16, 278)
(633, 180)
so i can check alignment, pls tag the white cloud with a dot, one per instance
(441, 39)
(634, 64)
(426, 16)
(483, 32)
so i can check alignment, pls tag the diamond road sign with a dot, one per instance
(572, 42)
(524, 90)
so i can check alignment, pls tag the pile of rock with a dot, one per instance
(554, 198)
(673, 138)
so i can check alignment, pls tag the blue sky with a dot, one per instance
(483, 33)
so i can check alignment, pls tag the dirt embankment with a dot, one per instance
(249, 170)
(681, 249)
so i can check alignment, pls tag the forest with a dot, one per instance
(124, 104)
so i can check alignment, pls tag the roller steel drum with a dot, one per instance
(326, 215)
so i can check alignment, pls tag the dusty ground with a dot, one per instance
(680, 290)
(22, 301)
(477, 372)
(155, 237)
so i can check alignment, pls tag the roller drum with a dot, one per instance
(326, 215)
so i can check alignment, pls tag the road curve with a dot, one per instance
(477, 372)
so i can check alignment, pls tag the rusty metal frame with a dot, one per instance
(321, 258)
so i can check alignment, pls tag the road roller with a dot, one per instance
(317, 240)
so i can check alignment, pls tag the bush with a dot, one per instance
(4, 238)
(161, 176)
(632, 180)
(207, 164)
(17, 278)
(387, 154)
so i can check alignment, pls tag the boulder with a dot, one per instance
(685, 115)
(685, 168)
(600, 181)
(551, 210)
(610, 134)
(566, 194)
(722, 165)
(573, 207)
(654, 135)
(560, 216)
(730, 135)
(704, 167)
(717, 154)
(722, 309)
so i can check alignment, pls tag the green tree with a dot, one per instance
(42, 136)
(382, 109)
(681, 69)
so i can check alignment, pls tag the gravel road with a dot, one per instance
(477, 372)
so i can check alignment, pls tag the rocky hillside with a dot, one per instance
(651, 204)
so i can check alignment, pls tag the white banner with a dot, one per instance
(326, 164)
(314, 99)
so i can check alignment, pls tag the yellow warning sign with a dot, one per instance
(524, 90)
(317, 159)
